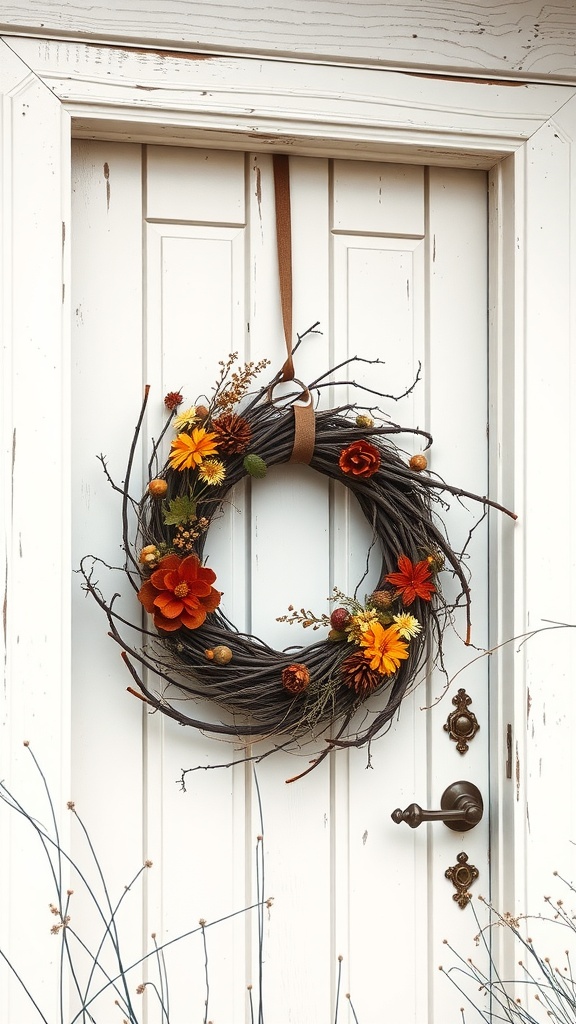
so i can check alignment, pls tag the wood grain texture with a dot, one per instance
(311, 109)
(34, 650)
(523, 38)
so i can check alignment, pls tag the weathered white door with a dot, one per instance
(175, 267)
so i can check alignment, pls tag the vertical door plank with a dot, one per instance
(291, 565)
(195, 317)
(107, 388)
(457, 400)
(379, 302)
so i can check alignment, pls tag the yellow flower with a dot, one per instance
(188, 450)
(212, 471)
(185, 419)
(384, 648)
(407, 625)
(359, 623)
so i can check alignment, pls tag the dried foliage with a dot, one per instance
(542, 988)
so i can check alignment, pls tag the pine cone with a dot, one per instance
(234, 432)
(357, 674)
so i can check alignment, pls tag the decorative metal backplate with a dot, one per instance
(462, 875)
(462, 724)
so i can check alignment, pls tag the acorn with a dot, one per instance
(221, 655)
(157, 488)
(202, 413)
(418, 463)
(339, 619)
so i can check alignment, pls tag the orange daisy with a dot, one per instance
(383, 648)
(188, 450)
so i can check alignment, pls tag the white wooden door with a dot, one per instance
(175, 267)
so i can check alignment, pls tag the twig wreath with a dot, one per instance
(379, 645)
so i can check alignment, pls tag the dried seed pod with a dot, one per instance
(418, 463)
(382, 599)
(255, 466)
(364, 421)
(172, 400)
(149, 555)
(295, 678)
(157, 488)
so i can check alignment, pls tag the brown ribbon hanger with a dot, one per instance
(304, 417)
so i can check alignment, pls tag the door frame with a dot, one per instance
(522, 133)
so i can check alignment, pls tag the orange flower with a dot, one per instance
(384, 648)
(412, 581)
(179, 593)
(188, 450)
(360, 459)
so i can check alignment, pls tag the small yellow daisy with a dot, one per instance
(185, 419)
(212, 471)
(407, 625)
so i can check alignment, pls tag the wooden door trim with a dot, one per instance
(266, 103)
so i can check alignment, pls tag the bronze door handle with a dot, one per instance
(461, 809)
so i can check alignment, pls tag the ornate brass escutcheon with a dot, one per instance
(462, 724)
(462, 875)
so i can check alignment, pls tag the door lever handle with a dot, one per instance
(461, 809)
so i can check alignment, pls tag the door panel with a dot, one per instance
(392, 263)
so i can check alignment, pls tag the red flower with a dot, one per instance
(179, 593)
(172, 400)
(412, 581)
(360, 459)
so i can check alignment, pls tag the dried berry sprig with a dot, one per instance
(230, 396)
(305, 618)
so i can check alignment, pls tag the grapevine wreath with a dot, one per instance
(379, 645)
